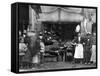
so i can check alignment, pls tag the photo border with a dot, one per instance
(16, 68)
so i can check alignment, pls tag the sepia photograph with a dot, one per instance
(56, 37)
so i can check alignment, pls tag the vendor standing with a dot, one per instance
(78, 55)
(87, 49)
(93, 50)
(22, 51)
(42, 49)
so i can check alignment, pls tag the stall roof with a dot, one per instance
(63, 14)
(54, 14)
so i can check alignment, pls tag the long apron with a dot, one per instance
(36, 59)
(78, 51)
(93, 56)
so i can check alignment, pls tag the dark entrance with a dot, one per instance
(64, 30)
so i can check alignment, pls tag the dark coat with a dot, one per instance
(77, 41)
(88, 44)
(33, 48)
(87, 50)
(93, 40)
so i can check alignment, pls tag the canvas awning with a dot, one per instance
(60, 14)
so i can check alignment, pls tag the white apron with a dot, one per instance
(78, 51)
(36, 59)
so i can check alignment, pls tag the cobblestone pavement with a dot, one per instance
(58, 65)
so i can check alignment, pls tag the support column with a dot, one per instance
(32, 19)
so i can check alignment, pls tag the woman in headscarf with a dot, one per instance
(30, 57)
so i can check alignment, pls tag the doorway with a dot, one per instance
(64, 30)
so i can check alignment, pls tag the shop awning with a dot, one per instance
(61, 15)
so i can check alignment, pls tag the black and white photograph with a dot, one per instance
(55, 37)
